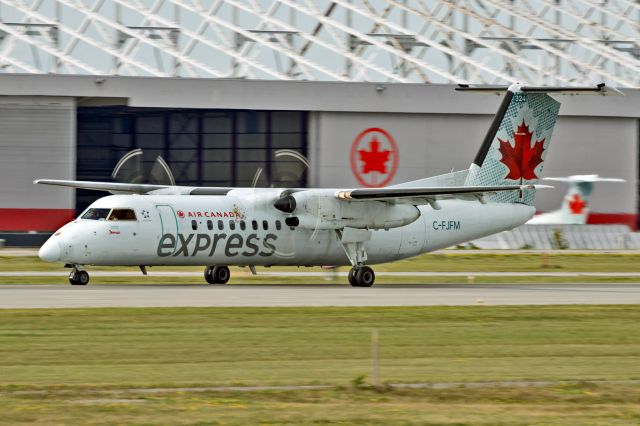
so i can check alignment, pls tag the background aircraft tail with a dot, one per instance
(515, 147)
(575, 205)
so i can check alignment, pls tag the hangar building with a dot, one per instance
(219, 132)
(246, 93)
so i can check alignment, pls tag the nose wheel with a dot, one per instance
(361, 276)
(217, 274)
(78, 277)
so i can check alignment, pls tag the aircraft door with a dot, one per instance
(168, 224)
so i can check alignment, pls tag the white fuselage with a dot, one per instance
(206, 230)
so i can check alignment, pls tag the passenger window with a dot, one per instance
(96, 214)
(122, 214)
(265, 225)
(278, 225)
(243, 225)
(194, 225)
(220, 225)
(209, 225)
(254, 225)
(232, 225)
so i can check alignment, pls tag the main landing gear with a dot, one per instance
(216, 274)
(361, 276)
(353, 244)
(78, 277)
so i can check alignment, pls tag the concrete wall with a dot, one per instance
(37, 139)
(431, 144)
(436, 130)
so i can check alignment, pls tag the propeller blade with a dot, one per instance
(129, 168)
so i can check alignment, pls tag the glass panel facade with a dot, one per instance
(202, 147)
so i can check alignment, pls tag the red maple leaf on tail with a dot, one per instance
(522, 158)
(576, 204)
(374, 160)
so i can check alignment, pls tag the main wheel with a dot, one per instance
(79, 278)
(365, 276)
(221, 274)
(208, 275)
(217, 274)
(352, 277)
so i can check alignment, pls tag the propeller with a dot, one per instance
(130, 169)
(288, 169)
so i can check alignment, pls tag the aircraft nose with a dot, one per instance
(50, 251)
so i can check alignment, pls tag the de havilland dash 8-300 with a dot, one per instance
(148, 225)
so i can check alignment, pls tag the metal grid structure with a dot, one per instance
(439, 41)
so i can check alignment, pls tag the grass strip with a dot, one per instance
(56, 365)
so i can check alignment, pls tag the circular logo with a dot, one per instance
(374, 157)
(180, 214)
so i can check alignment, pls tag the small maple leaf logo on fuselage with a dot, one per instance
(522, 158)
(374, 160)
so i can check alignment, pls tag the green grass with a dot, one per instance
(583, 404)
(437, 262)
(449, 262)
(55, 365)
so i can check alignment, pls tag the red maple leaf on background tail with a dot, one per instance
(374, 160)
(576, 204)
(522, 158)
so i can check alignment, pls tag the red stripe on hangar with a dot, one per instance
(34, 219)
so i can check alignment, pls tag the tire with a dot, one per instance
(221, 274)
(79, 278)
(365, 276)
(352, 277)
(209, 276)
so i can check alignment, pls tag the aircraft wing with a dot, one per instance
(427, 195)
(133, 188)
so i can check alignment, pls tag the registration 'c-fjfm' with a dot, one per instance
(149, 225)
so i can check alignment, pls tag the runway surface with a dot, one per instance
(66, 296)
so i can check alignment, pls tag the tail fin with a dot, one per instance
(516, 145)
(575, 205)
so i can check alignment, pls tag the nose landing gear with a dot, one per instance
(78, 277)
(216, 274)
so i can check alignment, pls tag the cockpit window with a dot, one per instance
(96, 214)
(122, 214)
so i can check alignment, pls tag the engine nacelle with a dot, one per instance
(322, 210)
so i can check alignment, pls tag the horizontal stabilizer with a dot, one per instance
(600, 89)
(583, 178)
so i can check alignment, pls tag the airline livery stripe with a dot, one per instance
(493, 130)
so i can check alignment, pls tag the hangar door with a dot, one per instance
(203, 147)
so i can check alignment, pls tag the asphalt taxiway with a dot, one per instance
(123, 295)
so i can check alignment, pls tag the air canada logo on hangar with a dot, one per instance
(374, 157)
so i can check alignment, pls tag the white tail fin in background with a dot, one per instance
(575, 205)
